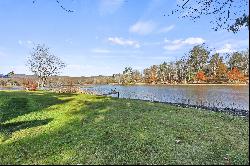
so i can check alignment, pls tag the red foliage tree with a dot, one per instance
(235, 75)
(30, 85)
(200, 76)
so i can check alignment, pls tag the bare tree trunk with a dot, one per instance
(43, 81)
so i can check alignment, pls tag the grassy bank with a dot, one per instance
(49, 128)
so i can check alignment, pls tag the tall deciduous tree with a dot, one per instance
(44, 64)
(221, 71)
(117, 78)
(245, 66)
(214, 62)
(127, 75)
(136, 76)
(236, 59)
(181, 68)
(146, 74)
(153, 74)
(197, 59)
(163, 72)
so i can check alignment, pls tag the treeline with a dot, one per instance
(198, 66)
(54, 81)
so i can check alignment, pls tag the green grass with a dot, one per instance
(48, 128)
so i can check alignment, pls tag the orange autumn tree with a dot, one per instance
(200, 76)
(235, 75)
(153, 74)
(221, 71)
(30, 84)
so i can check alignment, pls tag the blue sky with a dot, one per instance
(101, 37)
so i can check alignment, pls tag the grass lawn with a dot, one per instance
(48, 128)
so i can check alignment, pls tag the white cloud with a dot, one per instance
(29, 42)
(100, 51)
(193, 41)
(110, 6)
(69, 41)
(148, 27)
(239, 44)
(143, 27)
(152, 43)
(131, 56)
(20, 42)
(166, 29)
(124, 42)
(178, 44)
(227, 48)
(173, 47)
(26, 43)
(111, 52)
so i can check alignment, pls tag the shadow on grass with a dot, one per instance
(8, 128)
(92, 111)
(14, 104)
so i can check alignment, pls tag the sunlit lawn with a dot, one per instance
(49, 128)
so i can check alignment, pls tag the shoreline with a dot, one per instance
(138, 84)
(145, 84)
(232, 111)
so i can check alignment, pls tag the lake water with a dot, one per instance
(12, 88)
(211, 95)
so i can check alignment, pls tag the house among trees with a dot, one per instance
(4, 76)
(10, 74)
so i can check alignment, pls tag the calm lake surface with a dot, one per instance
(220, 96)
(12, 88)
